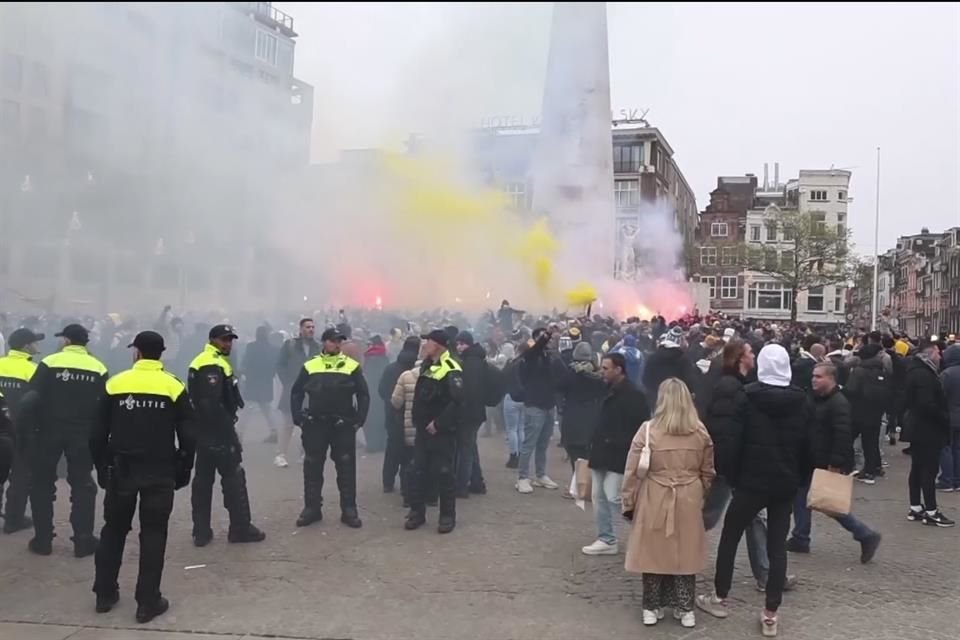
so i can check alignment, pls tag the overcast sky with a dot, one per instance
(730, 86)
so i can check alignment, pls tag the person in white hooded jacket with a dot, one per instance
(769, 460)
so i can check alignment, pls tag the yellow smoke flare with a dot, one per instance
(581, 295)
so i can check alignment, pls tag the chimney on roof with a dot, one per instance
(924, 230)
(766, 176)
(776, 175)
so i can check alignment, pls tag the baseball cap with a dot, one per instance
(149, 341)
(332, 334)
(75, 333)
(439, 336)
(223, 331)
(465, 337)
(22, 337)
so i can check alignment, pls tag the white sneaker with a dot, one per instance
(687, 618)
(524, 486)
(280, 461)
(544, 482)
(651, 618)
(600, 548)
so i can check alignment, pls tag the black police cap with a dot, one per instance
(148, 341)
(223, 331)
(22, 337)
(439, 336)
(333, 335)
(75, 333)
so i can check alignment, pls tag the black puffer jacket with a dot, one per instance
(927, 418)
(771, 456)
(831, 435)
(724, 417)
(474, 363)
(583, 390)
(668, 362)
(868, 387)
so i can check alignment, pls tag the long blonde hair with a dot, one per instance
(675, 413)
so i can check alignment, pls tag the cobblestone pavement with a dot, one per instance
(512, 570)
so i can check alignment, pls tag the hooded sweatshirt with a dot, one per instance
(772, 455)
(951, 383)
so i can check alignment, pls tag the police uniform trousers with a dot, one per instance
(225, 459)
(320, 435)
(119, 503)
(49, 446)
(18, 491)
(433, 467)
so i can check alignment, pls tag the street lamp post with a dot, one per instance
(876, 251)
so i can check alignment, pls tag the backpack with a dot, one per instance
(874, 387)
(494, 385)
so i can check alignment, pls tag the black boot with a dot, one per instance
(41, 546)
(350, 518)
(446, 524)
(247, 533)
(513, 462)
(107, 601)
(84, 546)
(415, 520)
(147, 612)
(13, 526)
(202, 538)
(308, 516)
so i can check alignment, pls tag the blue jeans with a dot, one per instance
(606, 503)
(802, 521)
(950, 461)
(537, 429)
(715, 504)
(513, 421)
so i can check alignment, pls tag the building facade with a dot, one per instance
(738, 203)
(146, 140)
(647, 182)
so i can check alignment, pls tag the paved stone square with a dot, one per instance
(511, 571)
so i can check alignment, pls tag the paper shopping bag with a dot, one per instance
(584, 479)
(830, 493)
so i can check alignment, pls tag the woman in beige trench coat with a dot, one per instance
(668, 543)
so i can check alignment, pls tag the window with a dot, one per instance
(10, 118)
(818, 196)
(841, 224)
(728, 287)
(815, 299)
(628, 158)
(838, 300)
(708, 256)
(712, 281)
(11, 72)
(38, 80)
(842, 196)
(719, 229)
(818, 222)
(266, 47)
(770, 260)
(517, 193)
(769, 295)
(626, 193)
(786, 261)
(728, 256)
(771, 231)
(788, 233)
(754, 233)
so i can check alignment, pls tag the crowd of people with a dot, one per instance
(679, 423)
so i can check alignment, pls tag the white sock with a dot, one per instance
(931, 513)
(916, 508)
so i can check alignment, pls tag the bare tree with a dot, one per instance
(811, 254)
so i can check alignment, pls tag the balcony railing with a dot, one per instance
(270, 15)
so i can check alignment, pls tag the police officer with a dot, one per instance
(16, 370)
(216, 398)
(437, 403)
(338, 405)
(6, 440)
(69, 385)
(141, 449)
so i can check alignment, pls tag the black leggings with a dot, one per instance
(742, 510)
(924, 464)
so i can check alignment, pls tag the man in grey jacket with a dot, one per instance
(293, 354)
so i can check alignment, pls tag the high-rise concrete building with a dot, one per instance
(141, 149)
